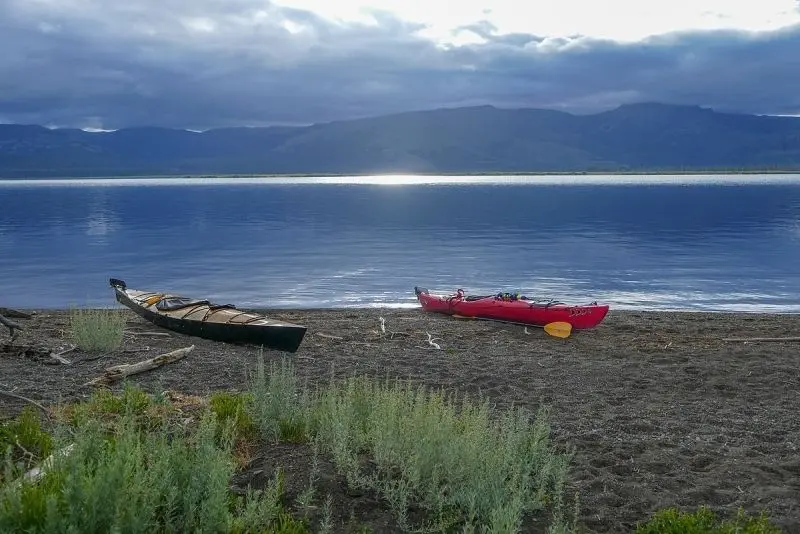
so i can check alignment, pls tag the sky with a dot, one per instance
(200, 64)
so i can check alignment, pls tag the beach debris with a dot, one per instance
(432, 342)
(13, 395)
(327, 336)
(36, 352)
(137, 349)
(11, 325)
(59, 356)
(15, 314)
(148, 333)
(37, 473)
(384, 333)
(118, 372)
(762, 339)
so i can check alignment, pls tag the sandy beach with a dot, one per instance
(661, 407)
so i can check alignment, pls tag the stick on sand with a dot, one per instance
(26, 399)
(118, 372)
(765, 339)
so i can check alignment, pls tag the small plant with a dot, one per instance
(107, 407)
(97, 330)
(277, 407)
(23, 441)
(230, 407)
(262, 511)
(705, 521)
(326, 523)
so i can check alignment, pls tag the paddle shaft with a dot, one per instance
(497, 321)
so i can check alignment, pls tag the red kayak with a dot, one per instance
(513, 308)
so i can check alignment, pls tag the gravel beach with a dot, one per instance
(662, 408)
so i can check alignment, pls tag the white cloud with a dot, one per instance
(611, 19)
(203, 63)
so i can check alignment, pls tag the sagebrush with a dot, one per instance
(97, 330)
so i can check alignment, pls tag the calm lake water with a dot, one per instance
(635, 242)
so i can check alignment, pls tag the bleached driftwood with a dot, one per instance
(118, 372)
(765, 339)
(26, 399)
(59, 356)
(148, 333)
(34, 475)
(327, 336)
(11, 325)
(16, 314)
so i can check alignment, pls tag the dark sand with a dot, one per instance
(661, 410)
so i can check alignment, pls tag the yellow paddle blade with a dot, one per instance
(558, 329)
(152, 300)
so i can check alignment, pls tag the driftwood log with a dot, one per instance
(118, 372)
(26, 399)
(11, 325)
(15, 314)
(36, 352)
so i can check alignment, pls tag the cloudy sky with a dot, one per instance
(209, 63)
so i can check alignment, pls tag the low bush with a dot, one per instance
(97, 330)
(23, 442)
(230, 408)
(111, 473)
(458, 459)
(705, 521)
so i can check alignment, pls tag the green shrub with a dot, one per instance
(126, 482)
(23, 442)
(262, 511)
(230, 409)
(121, 476)
(459, 460)
(97, 330)
(278, 406)
(108, 408)
(705, 521)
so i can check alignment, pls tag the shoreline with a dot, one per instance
(732, 172)
(661, 409)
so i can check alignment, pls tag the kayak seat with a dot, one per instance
(177, 303)
(213, 307)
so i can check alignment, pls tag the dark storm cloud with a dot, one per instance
(206, 63)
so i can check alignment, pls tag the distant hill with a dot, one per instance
(638, 137)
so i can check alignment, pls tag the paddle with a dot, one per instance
(560, 329)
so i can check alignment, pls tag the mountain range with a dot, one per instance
(643, 137)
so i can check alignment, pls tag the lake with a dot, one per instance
(727, 243)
